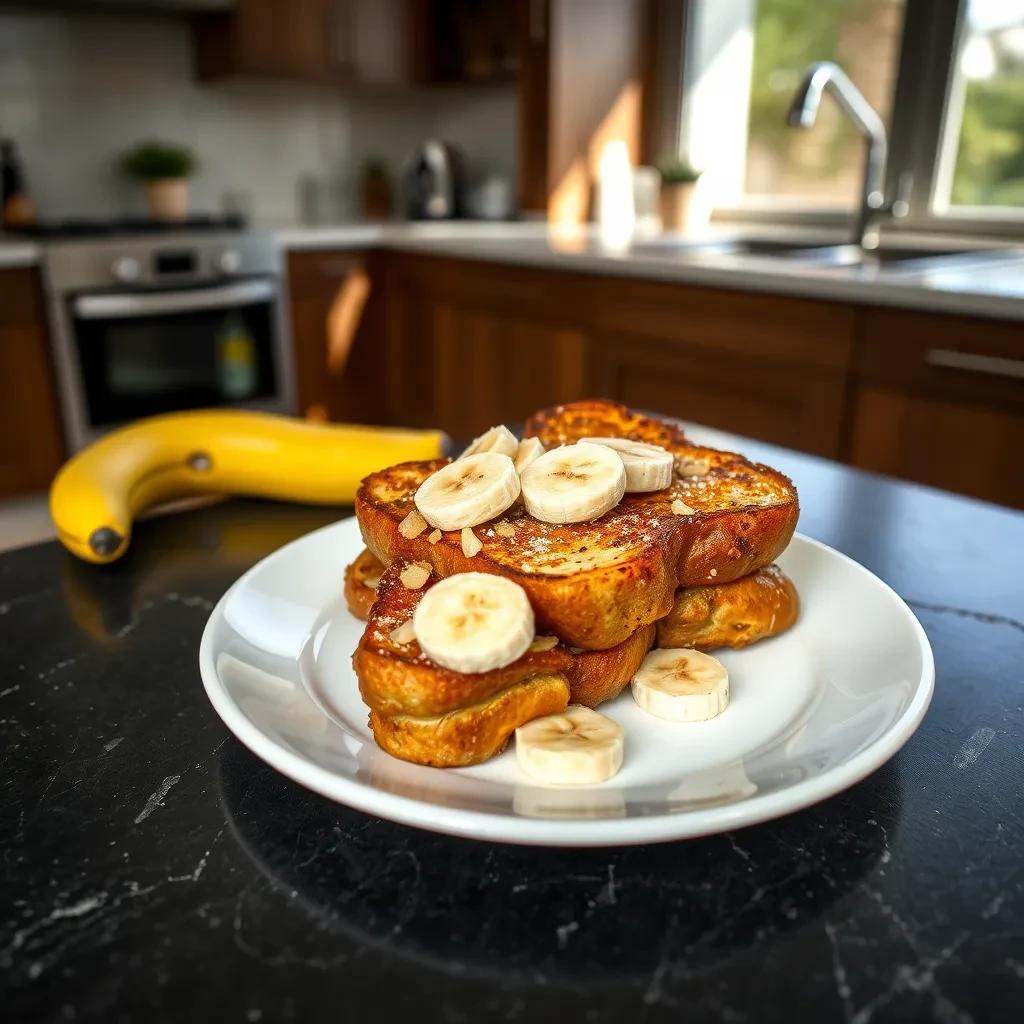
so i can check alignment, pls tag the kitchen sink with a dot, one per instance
(892, 258)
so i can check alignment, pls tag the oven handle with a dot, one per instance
(116, 307)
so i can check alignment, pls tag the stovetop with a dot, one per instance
(114, 227)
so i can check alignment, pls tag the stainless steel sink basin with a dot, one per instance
(891, 258)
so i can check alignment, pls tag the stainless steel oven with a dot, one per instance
(163, 323)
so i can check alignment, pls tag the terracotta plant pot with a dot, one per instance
(167, 198)
(678, 209)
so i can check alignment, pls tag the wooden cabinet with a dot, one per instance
(499, 370)
(765, 366)
(472, 344)
(464, 344)
(31, 443)
(940, 400)
(360, 42)
(336, 305)
(312, 40)
(466, 41)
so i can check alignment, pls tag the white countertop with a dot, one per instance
(19, 254)
(994, 289)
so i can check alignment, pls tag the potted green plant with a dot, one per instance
(164, 168)
(678, 187)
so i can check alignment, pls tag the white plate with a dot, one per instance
(812, 712)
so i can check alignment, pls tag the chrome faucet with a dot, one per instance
(822, 76)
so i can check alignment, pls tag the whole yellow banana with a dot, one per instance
(100, 491)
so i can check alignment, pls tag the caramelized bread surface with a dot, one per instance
(736, 614)
(398, 679)
(597, 417)
(361, 579)
(595, 584)
(473, 734)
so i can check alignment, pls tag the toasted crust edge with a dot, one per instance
(737, 614)
(472, 734)
(359, 597)
(396, 679)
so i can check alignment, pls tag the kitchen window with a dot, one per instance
(946, 77)
(982, 159)
(820, 167)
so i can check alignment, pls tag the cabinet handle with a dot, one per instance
(995, 365)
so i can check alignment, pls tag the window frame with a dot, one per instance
(920, 140)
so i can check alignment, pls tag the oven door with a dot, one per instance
(141, 353)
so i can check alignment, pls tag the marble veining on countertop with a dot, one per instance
(154, 869)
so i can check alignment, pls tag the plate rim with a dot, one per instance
(485, 825)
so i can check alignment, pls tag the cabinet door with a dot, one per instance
(762, 366)
(472, 344)
(31, 443)
(958, 446)
(336, 336)
(279, 38)
(365, 41)
(940, 400)
(492, 369)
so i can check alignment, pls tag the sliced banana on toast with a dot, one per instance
(529, 451)
(648, 467)
(498, 439)
(681, 685)
(574, 483)
(469, 491)
(575, 747)
(474, 622)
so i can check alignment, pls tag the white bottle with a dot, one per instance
(616, 213)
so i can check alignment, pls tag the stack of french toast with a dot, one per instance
(530, 575)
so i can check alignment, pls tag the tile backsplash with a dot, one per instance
(76, 90)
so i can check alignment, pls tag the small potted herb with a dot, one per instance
(678, 187)
(164, 168)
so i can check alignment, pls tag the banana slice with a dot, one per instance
(648, 466)
(573, 484)
(474, 622)
(681, 685)
(469, 491)
(576, 747)
(529, 451)
(497, 439)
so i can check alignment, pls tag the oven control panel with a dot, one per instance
(160, 262)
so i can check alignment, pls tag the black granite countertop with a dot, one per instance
(154, 869)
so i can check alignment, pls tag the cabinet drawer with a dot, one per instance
(763, 398)
(960, 446)
(498, 289)
(948, 357)
(736, 326)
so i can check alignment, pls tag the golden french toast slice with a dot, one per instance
(761, 605)
(597, 417)
(423, 712)
(361, 580)
(473, 734)
(594, 584)
(737, 614)
(396, 677)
